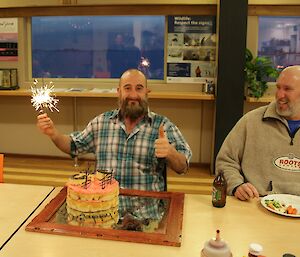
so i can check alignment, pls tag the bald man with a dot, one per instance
(129, 140)
(261, 154)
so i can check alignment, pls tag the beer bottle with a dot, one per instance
(219, 190)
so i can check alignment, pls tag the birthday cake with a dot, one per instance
(216, 247)
(93, 199)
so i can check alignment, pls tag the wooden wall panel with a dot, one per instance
(109, 10)
(273, 10)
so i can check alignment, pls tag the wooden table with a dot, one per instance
(17, 203)
(241, 223)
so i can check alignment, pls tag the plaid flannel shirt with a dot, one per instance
(131, 157)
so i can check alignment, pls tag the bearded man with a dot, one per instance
(130, 140)
(261, 154)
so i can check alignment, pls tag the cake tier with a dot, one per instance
(91, 205)
(105, 218)
(92, 200)
(93, 191)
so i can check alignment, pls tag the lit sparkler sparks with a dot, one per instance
(144, 66)
(42, 99)
(145, 63)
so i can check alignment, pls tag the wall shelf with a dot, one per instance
(88, 93)
(264, 99)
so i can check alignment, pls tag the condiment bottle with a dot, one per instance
(255, 250)
(219, 190)
(216, 247)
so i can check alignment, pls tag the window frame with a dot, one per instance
(25, 60)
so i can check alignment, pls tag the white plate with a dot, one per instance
(283, 199)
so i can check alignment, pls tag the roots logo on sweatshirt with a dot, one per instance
(289, 163)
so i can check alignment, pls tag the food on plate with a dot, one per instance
(281, 207)
(291, 210)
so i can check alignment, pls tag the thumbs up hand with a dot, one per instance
(162, 145)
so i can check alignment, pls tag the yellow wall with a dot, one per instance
(18, 132)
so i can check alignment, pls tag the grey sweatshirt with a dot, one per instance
(259, 149)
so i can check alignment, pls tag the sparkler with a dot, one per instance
(145, 62)
(41, 97)
(144, 66)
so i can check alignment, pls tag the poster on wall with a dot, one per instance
(8, 39)
(191, 51)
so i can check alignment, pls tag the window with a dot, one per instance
(279, 38)
(97, 46)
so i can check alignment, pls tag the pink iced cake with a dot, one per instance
(93, 199)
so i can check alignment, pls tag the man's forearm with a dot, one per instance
(63, 142)
(177, 162)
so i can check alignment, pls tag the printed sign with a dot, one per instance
(191, 49)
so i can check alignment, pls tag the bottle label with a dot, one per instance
(216, 194)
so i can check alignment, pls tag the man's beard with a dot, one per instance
(291, 111)
(135, 110)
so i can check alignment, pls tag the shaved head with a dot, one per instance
(133, 73)
(290, 74)
(288, 93)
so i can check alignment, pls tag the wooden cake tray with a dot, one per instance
(168, 231)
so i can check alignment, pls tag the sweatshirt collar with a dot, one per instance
(271, 113)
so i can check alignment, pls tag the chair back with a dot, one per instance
(1, 167)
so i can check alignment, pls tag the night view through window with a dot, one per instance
(97, 47)
(279, 38)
